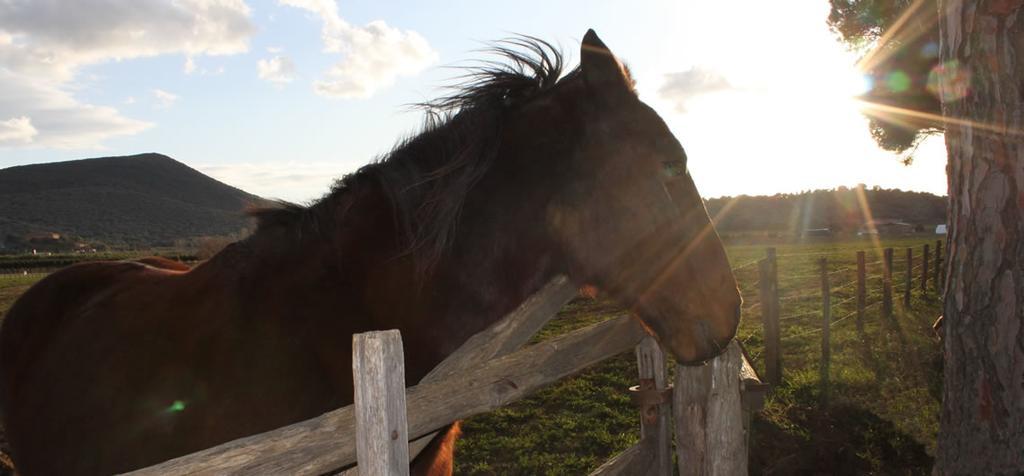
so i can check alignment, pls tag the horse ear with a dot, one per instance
(599, 67)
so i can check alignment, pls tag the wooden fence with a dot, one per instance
(709, 408)
(879, 273)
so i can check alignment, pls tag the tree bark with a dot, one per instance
(982, 49)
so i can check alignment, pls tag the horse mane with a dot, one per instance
(428, 175)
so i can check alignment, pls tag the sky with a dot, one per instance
(280, 97)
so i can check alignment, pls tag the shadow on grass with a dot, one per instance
(869, 358)
(798, 436)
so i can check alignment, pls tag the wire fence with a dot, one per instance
(854, 290)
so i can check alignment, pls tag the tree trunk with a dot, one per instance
(982, 49)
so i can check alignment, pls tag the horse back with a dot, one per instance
(35, 334)
(164, 263)
(39, 313)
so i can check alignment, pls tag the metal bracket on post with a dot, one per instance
(647, 397)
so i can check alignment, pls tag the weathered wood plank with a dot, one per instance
(382, 435)
(514, 376)
(503, 337)
(689, 405)
(327, 442)
(511, 332)
(636, 460)
(709, 417)
(752, 389)
(752, 395)
(727, 448)
(655, 429)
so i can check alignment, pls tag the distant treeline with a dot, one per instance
(841, 210)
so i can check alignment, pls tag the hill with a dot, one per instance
(140, 200)
(839, 209)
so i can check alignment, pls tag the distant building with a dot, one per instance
(43, 237)
(940, 229)
(817, 232)
(41, 241)
(886, 226)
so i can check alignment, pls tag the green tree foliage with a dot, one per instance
(899, 40)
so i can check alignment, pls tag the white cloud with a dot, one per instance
(59, 119)
(278, 70)
(680, 88)
(374, 56)
(164, 99)
(45, 43)
(17, 130)
(294, 181)
(190, 65)
(274, 50)
(130, 100)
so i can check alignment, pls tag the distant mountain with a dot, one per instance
(841, 210)
(146, 199)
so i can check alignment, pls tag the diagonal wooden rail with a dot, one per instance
(487, 372)
(325, 443)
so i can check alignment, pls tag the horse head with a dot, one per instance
(631, 221)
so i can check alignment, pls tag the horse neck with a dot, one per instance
(347, 267)
(494, 263)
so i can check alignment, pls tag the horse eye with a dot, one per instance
(673, 168)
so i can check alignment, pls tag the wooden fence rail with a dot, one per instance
(491, 370)
(488, 372)
(712, 403)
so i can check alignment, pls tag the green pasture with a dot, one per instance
(882, 415)
(885, 384)
(12, 285)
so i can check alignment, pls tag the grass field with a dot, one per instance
(885, 384)
(12, 285)
(882, 416)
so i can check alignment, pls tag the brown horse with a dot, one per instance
(519, 176)
(164, 263)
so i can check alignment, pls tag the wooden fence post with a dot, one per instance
(924, 270)
(709, 416)
(689, 408)
(770, 320)
(861, 291)
(908, 280)
(382, 432)
(939, 274)
(826, 318)
(655, 428)
(887, 283)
